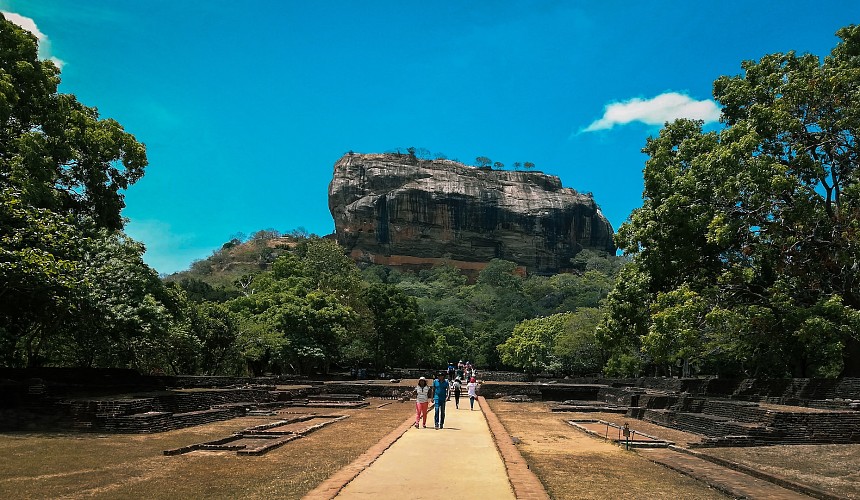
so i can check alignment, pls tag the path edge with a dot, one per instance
(524, 482)
(332, 486)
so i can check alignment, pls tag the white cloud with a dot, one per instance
(30, 25)
(656, 111)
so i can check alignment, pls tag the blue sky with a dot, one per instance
(245, 107)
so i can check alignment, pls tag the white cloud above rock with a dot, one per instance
(656, 111)
(30, 25)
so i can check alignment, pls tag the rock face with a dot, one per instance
(398, 210)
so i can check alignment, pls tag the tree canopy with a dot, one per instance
(70, 281)
(746, 246)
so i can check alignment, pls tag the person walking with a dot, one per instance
(451, 372)
(422, 400)
(473, 392)
(440, 396)
(457, 386)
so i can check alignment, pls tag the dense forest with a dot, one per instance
(315, 308)
(742, 260)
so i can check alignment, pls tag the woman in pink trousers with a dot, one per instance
(422, 400)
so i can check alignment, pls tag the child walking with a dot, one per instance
(473, 392)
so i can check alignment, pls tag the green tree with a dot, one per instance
(483, 162)
(530, 347)
(122, 312)
(677, 331)
(596, 260)
(396, 322)
(216, 329)
(326, 264)
(576, 347)
(795, 119)
(756, 223)
(313, 301)
(74, 289)
(500, 274)
(40, 254)
(54, 149)
(626, 321)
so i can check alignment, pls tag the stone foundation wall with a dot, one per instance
(741, 411)
(803, 392)
(621, 396)
(378, 390)
(501, 389)
(816, 393)
(177, 402)
(564, 392)
(213, 382)
(485, 375)
(824, 427)
(743, 423)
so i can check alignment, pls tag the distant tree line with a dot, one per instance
(480, 162)
(315, 310)
(485, 162)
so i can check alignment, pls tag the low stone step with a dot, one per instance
(143, 416)
(240, 405)
(200, 413)
(590, 408)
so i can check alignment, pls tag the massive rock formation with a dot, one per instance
(399, 210)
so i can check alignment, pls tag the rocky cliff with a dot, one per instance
(399, 210)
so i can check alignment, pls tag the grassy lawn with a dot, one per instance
(572, 465)
(69, 465)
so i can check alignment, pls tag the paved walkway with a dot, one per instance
(459, 461)
(730, 481)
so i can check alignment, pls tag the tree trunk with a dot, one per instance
(851, 358)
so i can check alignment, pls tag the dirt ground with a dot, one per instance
(573, 465)
(71, 465)
(831, 467)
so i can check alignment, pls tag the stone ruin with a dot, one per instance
(725, 412)
(517, 398)
(745, 413)
(615, 433)
(260, 439)
(122, 401)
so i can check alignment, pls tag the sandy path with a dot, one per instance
(460, 460)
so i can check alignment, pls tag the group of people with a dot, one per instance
(463, 371)
(440, 391)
